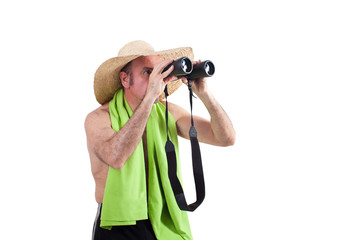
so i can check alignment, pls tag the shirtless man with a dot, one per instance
(143, 82)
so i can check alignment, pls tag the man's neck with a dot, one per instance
(132, 101)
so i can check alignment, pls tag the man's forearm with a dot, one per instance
(120, 147)
(221, 124)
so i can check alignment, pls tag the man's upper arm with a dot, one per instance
(183, 124)
(98, 131)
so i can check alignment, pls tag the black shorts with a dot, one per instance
(141, 231)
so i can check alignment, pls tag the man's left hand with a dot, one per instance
(198, 85)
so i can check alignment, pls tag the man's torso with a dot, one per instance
(100, 169)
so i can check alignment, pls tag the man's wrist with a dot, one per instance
(204, 95)
(148, 100)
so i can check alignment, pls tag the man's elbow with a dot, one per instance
(113, 161)
(117, 164)
(230, 141)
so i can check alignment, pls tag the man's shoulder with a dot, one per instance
(103, 109)
(99, 114)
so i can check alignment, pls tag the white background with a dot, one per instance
(287, 74)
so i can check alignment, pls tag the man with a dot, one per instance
(126, 137)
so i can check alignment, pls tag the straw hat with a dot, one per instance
(107, 76)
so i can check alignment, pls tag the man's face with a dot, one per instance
(141, 69)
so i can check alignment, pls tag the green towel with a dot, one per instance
(125, 198)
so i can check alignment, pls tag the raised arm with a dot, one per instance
(114, 148)
(218, 131)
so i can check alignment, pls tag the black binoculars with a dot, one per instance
(184, 67)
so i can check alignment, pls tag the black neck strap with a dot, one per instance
(196, 160)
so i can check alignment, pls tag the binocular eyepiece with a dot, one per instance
(184, 67)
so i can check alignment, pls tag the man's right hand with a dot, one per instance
(158, 79)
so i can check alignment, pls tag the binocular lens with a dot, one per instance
(182, 67)
(209, 68)
(186, 65)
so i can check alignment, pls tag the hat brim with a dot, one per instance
(107, 76)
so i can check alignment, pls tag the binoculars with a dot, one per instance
(184, 67)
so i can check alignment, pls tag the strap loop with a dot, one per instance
(196, 160)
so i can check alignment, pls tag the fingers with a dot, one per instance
(169, 79)
(161, 66)
(167, 72)
(196, 62)
(184, 80)
(159, 78)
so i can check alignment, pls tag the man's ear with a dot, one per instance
(125, 79)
